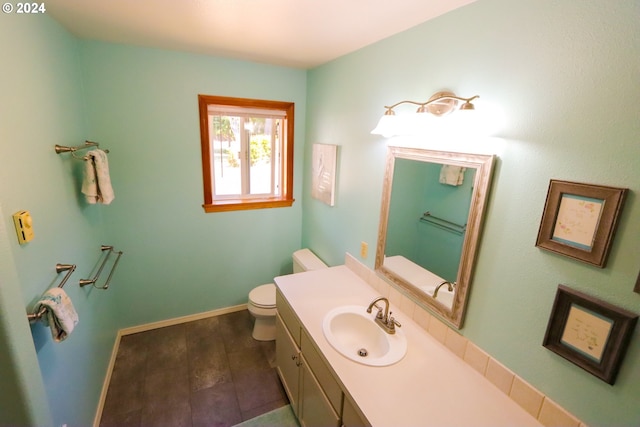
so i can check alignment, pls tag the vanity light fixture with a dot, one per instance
(440, 104)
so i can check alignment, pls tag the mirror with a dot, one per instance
(430, 220)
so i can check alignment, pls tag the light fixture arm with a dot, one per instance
(440, 104)
(431, 101)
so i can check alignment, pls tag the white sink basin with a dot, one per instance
(354, 333)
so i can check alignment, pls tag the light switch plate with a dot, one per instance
(24, 226)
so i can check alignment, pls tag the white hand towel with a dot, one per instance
(59, 313)
(452, 175)
(96, 185)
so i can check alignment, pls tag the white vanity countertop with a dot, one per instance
(430, 386)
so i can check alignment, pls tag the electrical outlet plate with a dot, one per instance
(364, 249)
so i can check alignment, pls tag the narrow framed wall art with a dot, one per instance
(323, 180)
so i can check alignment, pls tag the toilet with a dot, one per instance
(262, 299)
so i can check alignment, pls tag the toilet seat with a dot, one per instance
(263, 296)
(262, 299)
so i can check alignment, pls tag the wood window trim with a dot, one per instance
(286, 198)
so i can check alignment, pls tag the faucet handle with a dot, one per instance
(392, 322)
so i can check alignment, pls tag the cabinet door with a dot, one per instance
(351, 416)
(323, 375)
(288, 363)
(288, 317)
(315, 408)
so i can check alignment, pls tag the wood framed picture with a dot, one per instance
(589, 332)
(579, 220)
(637, 288)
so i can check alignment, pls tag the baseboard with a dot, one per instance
(148, 327)
(179, 320)
(107, 380)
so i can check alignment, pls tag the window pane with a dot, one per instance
(264, 137)
(226, 153)
(246, 154)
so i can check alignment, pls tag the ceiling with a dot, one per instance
(294, 33)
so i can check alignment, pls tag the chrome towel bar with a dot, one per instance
(443, 223)
(69, 268)
(103, 248)
(87, 144)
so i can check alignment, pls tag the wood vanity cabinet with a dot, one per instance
(315, 396)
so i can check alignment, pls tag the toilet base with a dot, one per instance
(264, 329)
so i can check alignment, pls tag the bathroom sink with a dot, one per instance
(354, 334)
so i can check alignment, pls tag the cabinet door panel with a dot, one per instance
(320, 370)
(351, 416)
(288, 317)
(288, 361)
(315, 408)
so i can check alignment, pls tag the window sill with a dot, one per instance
(238, 204)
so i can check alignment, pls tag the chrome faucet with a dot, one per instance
(386, 321)
(449, 288)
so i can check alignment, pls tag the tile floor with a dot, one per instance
(208, 372)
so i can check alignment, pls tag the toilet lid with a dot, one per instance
(263, 296)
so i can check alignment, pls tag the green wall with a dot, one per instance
(141, 104)
(42, 105)
(23, 400)
(417, 189)
(405, 208)
(565, 75)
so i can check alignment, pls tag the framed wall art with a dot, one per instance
(589, 332)
(637, 288)
(579, 220)
(323, 181)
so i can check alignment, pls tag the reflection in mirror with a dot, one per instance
(432, 208)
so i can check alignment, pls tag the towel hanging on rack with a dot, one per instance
(59, 315)
(452, 175)
(96, 185)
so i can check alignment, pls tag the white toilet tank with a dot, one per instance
(305, 260)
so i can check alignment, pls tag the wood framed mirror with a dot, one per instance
(431, 216)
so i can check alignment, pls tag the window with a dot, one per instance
(247, 153)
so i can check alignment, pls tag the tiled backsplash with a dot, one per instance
(545, 410)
